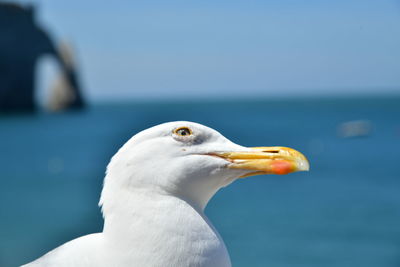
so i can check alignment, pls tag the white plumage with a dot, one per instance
(155, 191)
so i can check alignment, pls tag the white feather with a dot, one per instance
(154, 194)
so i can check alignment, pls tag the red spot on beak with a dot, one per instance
(281, 167)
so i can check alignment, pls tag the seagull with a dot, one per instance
(154, 195)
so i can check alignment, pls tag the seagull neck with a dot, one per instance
(127, 209)
(161, 225)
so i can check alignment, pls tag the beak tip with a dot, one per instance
(303, 165)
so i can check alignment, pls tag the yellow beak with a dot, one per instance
(266, 160)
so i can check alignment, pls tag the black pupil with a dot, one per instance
(184, 132)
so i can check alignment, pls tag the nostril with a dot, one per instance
(272, 151)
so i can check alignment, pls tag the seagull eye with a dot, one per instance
(183, 131)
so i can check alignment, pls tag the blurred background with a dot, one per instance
(79, 78)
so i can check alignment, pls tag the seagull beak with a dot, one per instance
(266, 160)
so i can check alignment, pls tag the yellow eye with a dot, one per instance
(183, 131)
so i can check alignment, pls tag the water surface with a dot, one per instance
(344, 212)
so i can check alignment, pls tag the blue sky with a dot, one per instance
(210, 49)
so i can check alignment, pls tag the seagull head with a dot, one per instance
(191, 161)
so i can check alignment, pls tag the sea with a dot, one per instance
(344, 212)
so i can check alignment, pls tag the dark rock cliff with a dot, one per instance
(22, 43)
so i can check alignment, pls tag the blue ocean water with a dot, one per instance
(344, 212)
